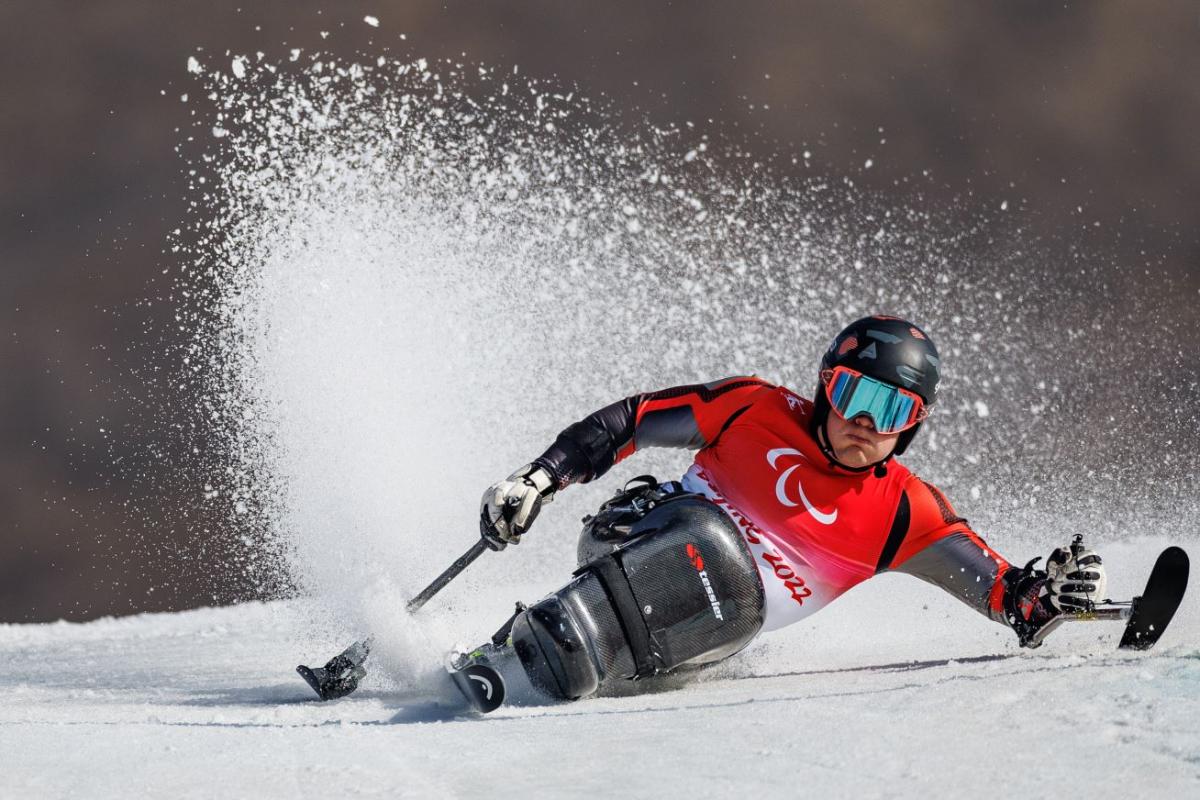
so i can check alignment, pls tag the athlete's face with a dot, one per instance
(856, 443)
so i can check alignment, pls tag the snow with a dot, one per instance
(894, 690)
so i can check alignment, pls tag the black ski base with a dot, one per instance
(1154, 608)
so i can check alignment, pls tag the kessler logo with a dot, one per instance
(697, 560)
(758, 541)
(781, 487)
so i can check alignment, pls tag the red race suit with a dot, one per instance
(814, 528)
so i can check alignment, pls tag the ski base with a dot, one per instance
(1156, 606)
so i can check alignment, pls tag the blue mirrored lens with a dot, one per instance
(853, 395)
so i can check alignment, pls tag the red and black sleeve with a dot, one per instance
(941, 548)
(684, 416)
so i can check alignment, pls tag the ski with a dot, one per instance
(1153, 609)
(1146, 616)
(341, 674)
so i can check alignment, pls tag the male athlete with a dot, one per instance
(811, 486)
(789, 503)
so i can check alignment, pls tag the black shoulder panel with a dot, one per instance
(895, 535)
(670, 427)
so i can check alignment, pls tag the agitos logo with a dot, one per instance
(697, 560)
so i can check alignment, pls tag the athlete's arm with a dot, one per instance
(684, 416)
(940, 547)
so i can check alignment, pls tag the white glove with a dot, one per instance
(1075, 578)
(509, 507)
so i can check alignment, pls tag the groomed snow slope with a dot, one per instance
(895, 690)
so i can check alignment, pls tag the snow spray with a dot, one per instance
(404, 277)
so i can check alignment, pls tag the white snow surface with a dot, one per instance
(895, 690)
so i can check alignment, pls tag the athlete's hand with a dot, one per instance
(1075, 578)
(509, 507)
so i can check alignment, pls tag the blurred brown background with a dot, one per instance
(1083, 116)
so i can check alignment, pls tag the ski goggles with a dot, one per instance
(891, 409)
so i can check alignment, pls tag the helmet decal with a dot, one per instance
(869, 352)
(848, 345)
(910, 376)
(883, 336)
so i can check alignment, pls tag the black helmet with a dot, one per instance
(888, 349)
